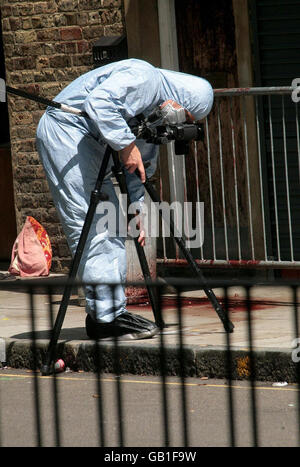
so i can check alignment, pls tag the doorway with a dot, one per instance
(8, 228)
(275, 28)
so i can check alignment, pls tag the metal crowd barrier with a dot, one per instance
(247, 174)
(110, 357)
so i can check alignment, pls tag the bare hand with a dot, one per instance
(138, 226)
(132, 160)
(142, 236)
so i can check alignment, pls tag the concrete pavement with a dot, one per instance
(204, 338)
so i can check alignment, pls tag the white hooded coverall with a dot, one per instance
(71, 149)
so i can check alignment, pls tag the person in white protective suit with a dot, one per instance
(71, 149)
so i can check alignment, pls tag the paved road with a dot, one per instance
(142, 409)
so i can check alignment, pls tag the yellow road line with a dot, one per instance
(168, 383)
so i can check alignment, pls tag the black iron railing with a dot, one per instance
(174, 358)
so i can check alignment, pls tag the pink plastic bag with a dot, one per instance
(32, 252)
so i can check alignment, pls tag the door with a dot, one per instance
(207, 48)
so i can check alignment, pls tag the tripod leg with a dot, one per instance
(151, 291)
(120, 176)
(96, 196)
(228, 325)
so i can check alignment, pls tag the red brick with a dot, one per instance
(15, 23)
(72, 33)
(83, 47)
(58, 61)
(47, 35)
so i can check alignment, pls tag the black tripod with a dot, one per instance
(159, 135)
(97, 196)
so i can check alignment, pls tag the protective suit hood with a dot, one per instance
(192, 92)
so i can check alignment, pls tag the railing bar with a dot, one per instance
(235, 263)
(235, 182)
(162, 222)
(261, 178)
(182, 371)
(175, 195)
(100, 394)
(248, 177)
(252, 370)
(55, 385)
(287, 178)
(298, 137)
(274, 178)
(253, 91)
(198, 194)
(99, 390)
(210, 190)
(117, 371)
(36, 392)
(222, 180)
(162, 355)
(229, 374)
(186, 223)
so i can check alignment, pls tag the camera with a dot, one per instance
(154, 130)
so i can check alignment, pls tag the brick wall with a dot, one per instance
(47, 44)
